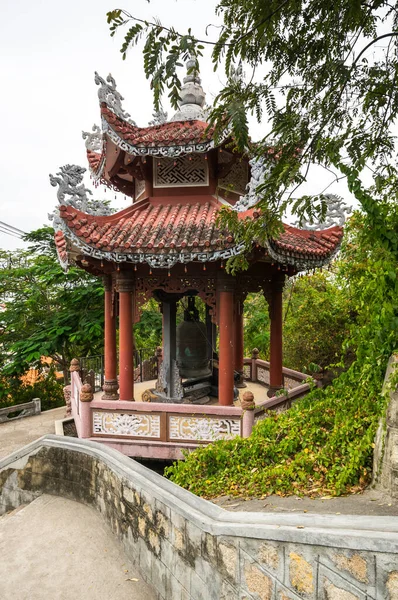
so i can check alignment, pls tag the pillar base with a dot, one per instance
(240, 383)
(110, 388)
(273, 389)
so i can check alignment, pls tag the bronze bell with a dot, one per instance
(192, 359)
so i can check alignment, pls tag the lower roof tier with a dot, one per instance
(163, 234)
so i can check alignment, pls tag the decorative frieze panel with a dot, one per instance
(126, 424)
(205, 429)
(263, 375)
(184, 171)
(139, 188)
(290, 383)
(247, 371)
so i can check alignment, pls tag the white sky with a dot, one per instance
(49, 51)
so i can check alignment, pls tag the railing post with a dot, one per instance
(255, 354)
(74, 366)
(86, 396)
(248, 406)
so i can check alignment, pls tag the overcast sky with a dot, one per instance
(49, 51)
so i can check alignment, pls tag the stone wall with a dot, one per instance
(190, 549)
(385, 463)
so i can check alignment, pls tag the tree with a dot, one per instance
(316, 321)
(329, 94)
(47, 312)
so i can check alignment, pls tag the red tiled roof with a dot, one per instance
(149, 228)
(167, 134)
(94, 160)
(302, 242)
(60, 243)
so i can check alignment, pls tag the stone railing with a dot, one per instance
(28, 409)
(385, 461)
(150, 429)
(256, 369)
(189, 548)
(295, 385)
(161, 430)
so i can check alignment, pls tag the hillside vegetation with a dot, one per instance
(324, 444)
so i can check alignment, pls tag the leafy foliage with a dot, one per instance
(256, 325)
(324, 444)
(148, 331)
(47, 388)
(47, 312)
(316, 321)
(319, 78)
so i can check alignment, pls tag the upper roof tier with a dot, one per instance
(116, 149)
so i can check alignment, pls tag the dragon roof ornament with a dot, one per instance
(108, 94)
(260, 168)
(158, 117)
(72, 192)
(336, 212)
(93, 139)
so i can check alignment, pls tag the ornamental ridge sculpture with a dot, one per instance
(336, 212)
(158, 117)
(70, 184)
(259, 171)
(93, 139)
(108, 94)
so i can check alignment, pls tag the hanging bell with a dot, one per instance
(192, 359)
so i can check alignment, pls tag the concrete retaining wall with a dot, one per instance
(191, 549)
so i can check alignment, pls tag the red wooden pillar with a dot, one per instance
(239, 341)
(126, 347)
(110, 386)
(274, 297)
(226, 350)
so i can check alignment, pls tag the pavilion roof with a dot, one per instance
(181, 231)
(168, 134)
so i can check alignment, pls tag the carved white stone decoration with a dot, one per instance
(259, 171)
(72, 192)
(93, 139)
(192, 97)
(207, 429)
(159, 117)
(184, 171)
(139, 425)
(336, 213)
(263, 375)
(108, 94)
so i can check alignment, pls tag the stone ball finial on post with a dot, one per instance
(255, 353)
(74, 365)
(248, 405)
(86, 393)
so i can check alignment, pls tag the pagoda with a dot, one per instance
(167, 243)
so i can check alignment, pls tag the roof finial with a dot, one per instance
(192, 96)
